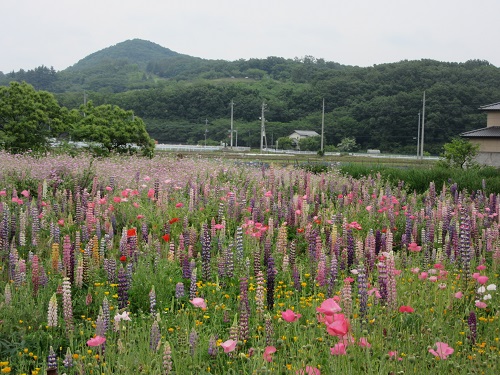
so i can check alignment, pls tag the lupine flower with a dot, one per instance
(267, 353)
(443, 350)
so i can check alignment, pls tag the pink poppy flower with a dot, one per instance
(339, 326)
(151, 193)
(433, 279)
(290, 316)
(309, 370)
(268, 193)
(199, 302)
(329, 307)
(218, 226)
(458, 295)
(375, 292)
(267, 353)
(179, 205)
(481, 304)
(482, 279)
(338, 349)
(481, 267)
(25, 193)
(3, 193)
(96, 341)
(229, 346)
(117, 199)
(60, 222)
(394, 355)
(413, 247)
(423, 275)
(443, 350)
(415, 270)
(363, 342)
(475, 275)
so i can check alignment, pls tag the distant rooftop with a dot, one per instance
(490, 107)
(489, 132)
(306, 133)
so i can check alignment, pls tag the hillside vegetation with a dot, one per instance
(177, 95)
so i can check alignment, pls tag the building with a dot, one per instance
(297, 135)
(487, 138)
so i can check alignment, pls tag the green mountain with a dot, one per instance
(177, 95)
(134, 52)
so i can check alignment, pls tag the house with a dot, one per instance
(297, 135)
(487, 138)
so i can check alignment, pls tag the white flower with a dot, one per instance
(491, 287)
(123, 316)
(486, 297)
(481, 289)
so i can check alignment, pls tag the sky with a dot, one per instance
(59, 33)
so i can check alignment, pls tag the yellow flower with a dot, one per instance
(6, 370)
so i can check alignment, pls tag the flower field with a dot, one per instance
(193, 266)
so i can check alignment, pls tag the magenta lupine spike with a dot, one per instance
(391, 281)
(123, 285)
(465, 244)
(67, 305)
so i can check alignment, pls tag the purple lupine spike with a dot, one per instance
(212, 346)
(106, 314)
(296, 278)
(152, 300)
(472, 322)
(332, 276)
(179, 290)
(155, 336)
(192, 286)
(123, 286)
(205, 252)
(271, 274)
(362, 291)
(51, 359)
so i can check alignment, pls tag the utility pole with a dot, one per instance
(418, 136)
(322, 125)
(423, 123)
(232, 104)
(206, 131)
(263, 128)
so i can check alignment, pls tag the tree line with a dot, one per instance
(377, 106)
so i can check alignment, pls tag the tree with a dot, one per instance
(459, 153)
(347, 144)
(285, 143)
(310, 144)
(113, 129)
(28, 118)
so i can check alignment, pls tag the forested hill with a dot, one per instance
(176, 94)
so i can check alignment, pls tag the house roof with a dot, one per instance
(306, 133)
(489, 132)
(490, 107)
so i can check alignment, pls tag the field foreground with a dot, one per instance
(179, 266)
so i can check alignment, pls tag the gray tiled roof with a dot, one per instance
(306, 133)
(490, 107)
(489, 132)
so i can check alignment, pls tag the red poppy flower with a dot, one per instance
(166, 237)
(173, 220)
(300, 230)
(131, 232)
(406, 309)
(123, 258)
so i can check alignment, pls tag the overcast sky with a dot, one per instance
(59, 33)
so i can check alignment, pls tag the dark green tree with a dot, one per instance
(285, 143)
(112, 129)
(28, 118)
(459, 153)
(310, 144)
